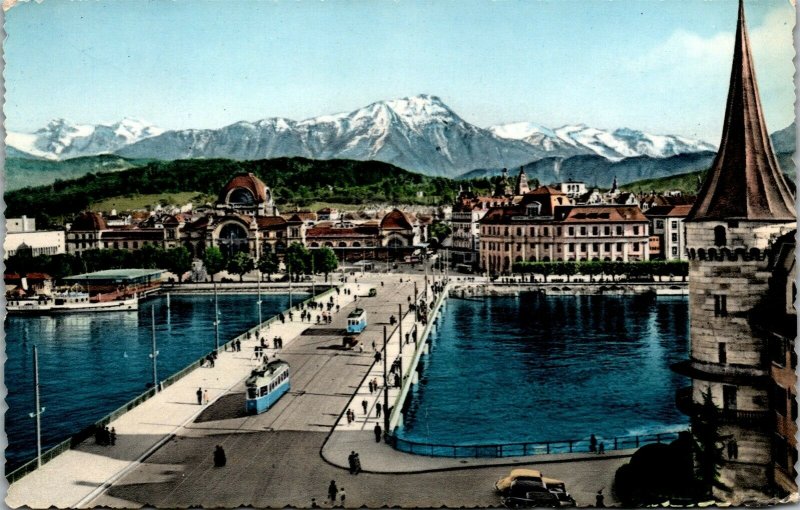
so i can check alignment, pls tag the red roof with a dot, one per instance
(396, 220)
(745, 180)
(30, 276)
(88, 220)
(270, 222)
(249, 182)
(600, 213)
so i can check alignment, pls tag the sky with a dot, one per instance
(661, 66)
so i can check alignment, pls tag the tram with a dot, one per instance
(357, 321)
(266, 385)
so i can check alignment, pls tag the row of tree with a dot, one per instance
(175, 260)
(298, 260)
(632, 270)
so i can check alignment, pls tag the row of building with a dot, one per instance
(556, 222)
(244, 219)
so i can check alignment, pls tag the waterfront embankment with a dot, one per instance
(568, 288)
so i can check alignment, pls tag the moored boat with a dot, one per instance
(67, 302)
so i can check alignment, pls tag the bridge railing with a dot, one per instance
(530, 448)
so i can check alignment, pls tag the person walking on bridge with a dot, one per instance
(364, 404)
(199, 396)
(378, 432)
(332, 492)
(378, 408)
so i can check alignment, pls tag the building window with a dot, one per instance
(546, 231)
(607, 247)
(636, 230)
(607, 231)
(674, 225)
(720, 306)
(619, 230)
(720, 236)
(659, 223)
(595, 231)
(583, 246)
(519, 231)
(508, 246)
(136, 244)
(571, 247)
(619, 246)
(596, 246)
(729, 397)
(583, 231)
(558, 231)
(674, 237)
(674, 251)
(546, 246)
(533, 231)
(125, 244)
(571, 231)
(635, 246)
(723, 352)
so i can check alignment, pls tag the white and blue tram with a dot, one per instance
(357, 321)
(266, 385)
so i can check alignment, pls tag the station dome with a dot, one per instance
(88, 220)
(245, 189)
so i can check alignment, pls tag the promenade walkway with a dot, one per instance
(75, 477)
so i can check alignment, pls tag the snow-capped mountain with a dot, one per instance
(417, 133)
(60, 139)
(612, 145)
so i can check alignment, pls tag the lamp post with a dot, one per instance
(400, 333)
(313, 275)
(39, 409)
(259, 298)
(385, 389)
(154, 353)
(216, 320)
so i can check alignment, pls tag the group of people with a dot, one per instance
(105, 437)
(351, 416)
(373, 385)
(334, 494)
(210, 359)
(595, 447)
(236, 345)
(354, 461)
(202, 396)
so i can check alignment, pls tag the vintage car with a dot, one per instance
(528, 493)
(559, 490)
(504, 484)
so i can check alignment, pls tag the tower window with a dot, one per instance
(723, 352)
(720, 306)
(720, 236)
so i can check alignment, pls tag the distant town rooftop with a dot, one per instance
(118, 276)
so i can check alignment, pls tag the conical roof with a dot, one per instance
(745, 181)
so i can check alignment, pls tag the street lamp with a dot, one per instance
(259, 298)
(154, 352)
(216, 320)
(385, 389)
(39, 409)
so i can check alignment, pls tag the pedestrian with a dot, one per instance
(592, 443)
(408, 337)
(370, 387)
(601, 448)
(239, 345)
(113, 436)
(378, 408)
(219, 457)
(377, 356)
(364, 404)
(342, 496)
(378, 431)
(199, 396)
(374, 348)
(332, 491)
(358, 463)
(205, 396)
(375, 383)
(599, 499)
(351, 461)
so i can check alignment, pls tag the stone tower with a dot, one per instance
(744, 205)
(522, 183)
(503, 187)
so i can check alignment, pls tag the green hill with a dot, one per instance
(295, 181)
(687, 183)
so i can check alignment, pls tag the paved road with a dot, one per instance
(274, 459)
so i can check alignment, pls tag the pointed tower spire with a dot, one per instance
(745, 181)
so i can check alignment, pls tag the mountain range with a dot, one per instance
(420, 133)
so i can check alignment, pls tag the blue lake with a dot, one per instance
(92, 363)
(536, 368)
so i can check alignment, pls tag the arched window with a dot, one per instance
(720, 236)
(241, 196)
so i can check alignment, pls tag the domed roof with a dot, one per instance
(88, 220)
(237, 189)
(396, 220)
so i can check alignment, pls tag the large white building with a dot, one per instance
(22, 236)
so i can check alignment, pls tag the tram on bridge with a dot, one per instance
(357, 321)
(266, 385)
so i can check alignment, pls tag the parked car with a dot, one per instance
(504, 484)
(529, 494)
(559, 490)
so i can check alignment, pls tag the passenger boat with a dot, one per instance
(266, 385)
(357, 321)
(67, 302)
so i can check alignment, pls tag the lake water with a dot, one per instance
(536, 368)
(92, 363)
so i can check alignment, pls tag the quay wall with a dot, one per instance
(88, 431)
(564, 288)
(242, 288)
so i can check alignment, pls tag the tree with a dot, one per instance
(708, 446)
(177, 261)
(325, 261)
(297, 258)
(240, 264)
(213, 261)
(440, 230)
(268, 263)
